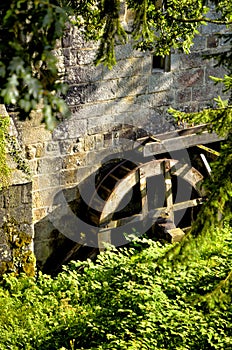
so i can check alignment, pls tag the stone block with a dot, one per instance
(47, 180)
(92, 109)
(212, 41)
(89, 143)
(14, 196)
(192, 60)
(79, 94)
(215, 72)
(76, 128)
(30, 151)
(140, 85)
(45, 198)
(163, 98)
(83, 74)
(61, 131)
(39, 214)
(85, 56)
(31, 135)
(187, 78)
(175, 61)
(33, 166)
(124, 51)
(68, 177)
(52, 148)
(21, 213)
(73, 161)
(183, 96)
(212, 28)
(104, 91)
(66, 146)
(100, 125)
(199, 43)
(146, 64)
(40, 151)
(160, 81)
(49, 165)
(26, 193)
(123, 68)
(175, 235)
(204, 93)
(70, 57)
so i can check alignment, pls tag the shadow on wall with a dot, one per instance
(70, 230)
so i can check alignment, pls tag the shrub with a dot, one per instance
(131, 298)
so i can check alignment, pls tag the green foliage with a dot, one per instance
(219, 186)
(149, 298)
(28, 71)
(30, 30)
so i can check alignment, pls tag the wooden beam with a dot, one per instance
(168, 188)
(178, 143)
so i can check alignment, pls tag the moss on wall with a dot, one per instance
(4, 167)
(20, 258)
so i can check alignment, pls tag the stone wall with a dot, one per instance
(107, 106)
(16, 224)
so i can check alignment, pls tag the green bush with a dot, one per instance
(144, 297)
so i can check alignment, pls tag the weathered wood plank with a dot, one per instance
(178, 143)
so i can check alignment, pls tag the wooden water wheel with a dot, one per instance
(161, 195)
(158, 193)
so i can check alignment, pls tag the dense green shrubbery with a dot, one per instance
(150, 298)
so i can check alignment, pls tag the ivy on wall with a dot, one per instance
(4, 167)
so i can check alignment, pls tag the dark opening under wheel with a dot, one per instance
(158, 192)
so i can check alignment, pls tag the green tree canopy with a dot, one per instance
(30, 30)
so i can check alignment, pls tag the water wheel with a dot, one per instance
(158, 193)
(161, 195)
